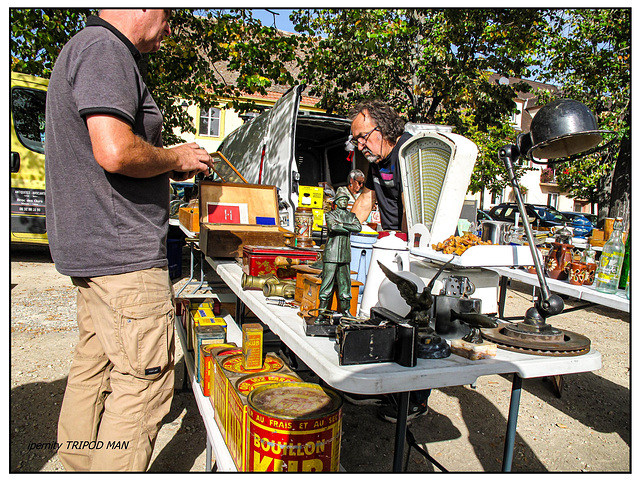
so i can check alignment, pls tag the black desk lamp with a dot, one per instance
(563, 129)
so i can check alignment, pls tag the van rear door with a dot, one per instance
(27, 106)
(263, 151)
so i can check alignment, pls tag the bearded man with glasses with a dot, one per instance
(378, 132)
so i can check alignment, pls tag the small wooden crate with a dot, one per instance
(189, 217)
(235, 215)
(309, 291)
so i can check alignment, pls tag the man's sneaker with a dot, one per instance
(364, 399)
(389, 412)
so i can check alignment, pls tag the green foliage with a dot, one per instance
(38, 35)
(587, 53)
(186, 66)
(432, 65)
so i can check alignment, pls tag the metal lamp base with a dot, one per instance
(542, 340)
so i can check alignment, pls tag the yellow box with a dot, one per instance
(309, 196)
(204, 310)
(190, 218)
(252, 345)
(318, 219)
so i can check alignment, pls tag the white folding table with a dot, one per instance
(587, 294)
(320, 355)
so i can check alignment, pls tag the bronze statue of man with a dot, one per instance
(337, 255)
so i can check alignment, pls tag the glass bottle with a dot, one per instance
(589, 259)
(627, 289)
(625, 263)
(610, 267)
(588, 255)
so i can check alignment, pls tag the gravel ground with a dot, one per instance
(586, 429)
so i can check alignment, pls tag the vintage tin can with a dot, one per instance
(206, 365)
(293, 427)
(206, 334)
(237, 408)
(202, 321)
(218, 391)
(252, 345)
(235, 364)
(229, 368)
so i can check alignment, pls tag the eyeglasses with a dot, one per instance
(362, 138)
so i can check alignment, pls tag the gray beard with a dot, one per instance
(370, 156)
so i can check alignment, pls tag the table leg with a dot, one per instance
(516, 389)
(401, 431)
(240, 311)
(208, 464)
(504, 280)
(190, 271)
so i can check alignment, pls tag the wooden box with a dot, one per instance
(189, 217)
(308, 289)
(234, 215)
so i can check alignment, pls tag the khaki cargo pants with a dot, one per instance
(121, 381)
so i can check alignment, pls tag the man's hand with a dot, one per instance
(193, 159)
(118, 150)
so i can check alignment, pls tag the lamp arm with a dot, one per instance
(507, 154)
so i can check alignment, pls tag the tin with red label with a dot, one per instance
(236, 437)
(293, 427)
(235, 364)
(265, 260)
(207, 351)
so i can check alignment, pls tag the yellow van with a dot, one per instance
(27, 108)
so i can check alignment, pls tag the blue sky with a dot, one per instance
(281, 19)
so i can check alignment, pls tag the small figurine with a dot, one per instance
(420, 304)
(337, 255)
(430, 345)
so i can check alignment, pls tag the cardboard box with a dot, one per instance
(252, 345)
(189, 217)
(235, 215)
(318, 219)
(309, 196)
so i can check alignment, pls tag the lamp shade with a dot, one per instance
(563, 128)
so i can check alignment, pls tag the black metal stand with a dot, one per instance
(401, 430)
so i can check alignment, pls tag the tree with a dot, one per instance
(587, 53)
(184, 69)
(432, 65)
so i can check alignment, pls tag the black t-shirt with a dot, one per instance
(384, 178)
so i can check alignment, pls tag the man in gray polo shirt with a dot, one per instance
(107, 205)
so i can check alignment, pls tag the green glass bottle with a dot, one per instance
(625, 264)
(611, 259)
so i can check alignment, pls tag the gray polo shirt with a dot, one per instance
(100, 223)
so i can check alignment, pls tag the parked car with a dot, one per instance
(588, 221)
(483, 215)
(541, 216)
